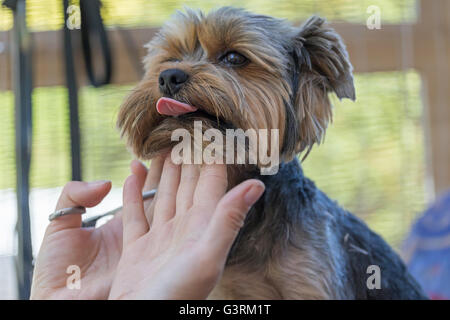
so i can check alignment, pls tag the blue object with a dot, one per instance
(427, 249)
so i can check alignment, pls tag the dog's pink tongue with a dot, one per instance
(171, 107)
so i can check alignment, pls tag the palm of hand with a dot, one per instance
(149, 270)
(95, 252)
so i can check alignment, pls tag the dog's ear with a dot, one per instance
(321, 65)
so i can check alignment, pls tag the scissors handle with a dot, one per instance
(92, 221)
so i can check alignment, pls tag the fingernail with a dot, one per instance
(254, 193)
(98, 182)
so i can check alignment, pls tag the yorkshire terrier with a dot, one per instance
(235, 69)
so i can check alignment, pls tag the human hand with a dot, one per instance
(95, 252)
(176, 248)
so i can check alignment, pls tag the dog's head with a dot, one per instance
(232, 68)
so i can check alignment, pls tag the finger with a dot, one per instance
(212, 185)
(154, 174)
(188, 182)
(139, 170)
(229, 216)
(165, 202)
(152, 182)
(134, 222)
(78, 193)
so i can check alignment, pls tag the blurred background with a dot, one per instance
(385, 156)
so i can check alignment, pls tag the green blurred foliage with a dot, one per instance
(372, 160)
(48, 15)
(103, 153)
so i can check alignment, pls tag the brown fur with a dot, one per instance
(284, 86)
(293, 275)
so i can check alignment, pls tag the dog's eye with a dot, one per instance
(234, 59)
(171, 60)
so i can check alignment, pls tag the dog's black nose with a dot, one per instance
(171, 81)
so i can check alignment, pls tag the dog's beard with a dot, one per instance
(160, 139)
(149, 133)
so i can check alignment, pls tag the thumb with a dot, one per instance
(229, 216)
(78, 193)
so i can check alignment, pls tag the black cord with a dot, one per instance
(91, 26)
(71, 82)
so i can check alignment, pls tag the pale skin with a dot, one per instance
(173, 247)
